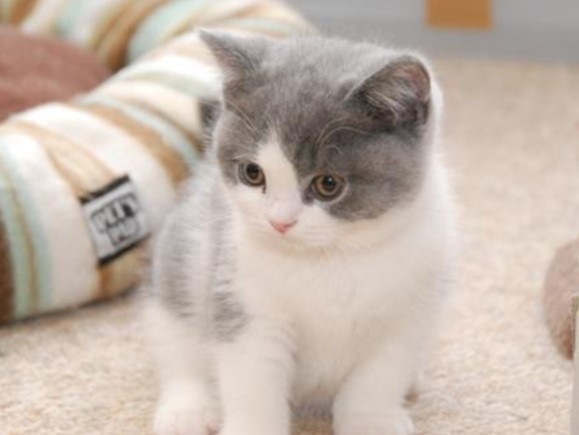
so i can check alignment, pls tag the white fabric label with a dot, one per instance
(115, 218)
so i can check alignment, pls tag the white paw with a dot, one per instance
(396, 422)
(181, 415)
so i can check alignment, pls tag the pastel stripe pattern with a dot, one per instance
(42, 18)
(173, 106)
(146, 122)
(17, 245)
(31, 261)
(162, 24)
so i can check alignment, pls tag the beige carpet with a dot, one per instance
(513, 140)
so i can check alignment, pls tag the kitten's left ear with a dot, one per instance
(397, 94)
(238, 57)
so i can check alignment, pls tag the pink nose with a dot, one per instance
(282, 227)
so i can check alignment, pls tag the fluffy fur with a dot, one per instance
(335, 312)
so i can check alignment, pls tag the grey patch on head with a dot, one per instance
(237, 134)
(239, 59)
(235, 144)
(356, 110)
(209, 114)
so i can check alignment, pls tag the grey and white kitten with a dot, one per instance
(307, 263)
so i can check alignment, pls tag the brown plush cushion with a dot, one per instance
(561, 287)
(36, 70)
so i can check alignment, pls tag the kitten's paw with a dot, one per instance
(245, 431)
(178, 415)
(257, 426)
(396, 422)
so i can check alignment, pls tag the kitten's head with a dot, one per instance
(318, 137)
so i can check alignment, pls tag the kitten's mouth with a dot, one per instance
(292, 237)
(294, 241)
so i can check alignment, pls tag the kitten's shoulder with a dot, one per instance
(184, 250)
(199, 202)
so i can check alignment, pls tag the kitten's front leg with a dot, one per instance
(255, 375)
(187, 404)
(371, 400)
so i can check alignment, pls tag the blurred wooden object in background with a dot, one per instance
(460, 14)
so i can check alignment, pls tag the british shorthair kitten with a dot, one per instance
(308, 260)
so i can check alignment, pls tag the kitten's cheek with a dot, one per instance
(249, 203)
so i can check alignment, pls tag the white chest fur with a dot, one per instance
(338, 306)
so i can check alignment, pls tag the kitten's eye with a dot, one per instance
(251, 174)
(327, 187)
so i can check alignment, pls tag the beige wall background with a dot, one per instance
(544, 30)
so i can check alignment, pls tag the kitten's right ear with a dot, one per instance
(397, 94)
(238, 57)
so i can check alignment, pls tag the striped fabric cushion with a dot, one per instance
(104, 168)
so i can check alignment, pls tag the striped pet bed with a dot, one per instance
(84, 183)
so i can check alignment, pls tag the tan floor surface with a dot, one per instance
(512, 134)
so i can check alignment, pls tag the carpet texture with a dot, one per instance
(512, 139)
